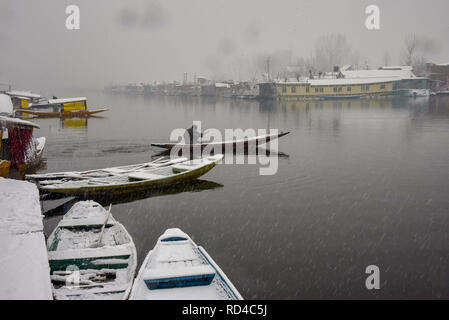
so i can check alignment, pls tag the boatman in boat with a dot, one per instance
(194, 134)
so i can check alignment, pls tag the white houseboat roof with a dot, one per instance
(22, 94)
(222, 85)
(7, 121)
(6, 106)
(22, 98)
(342, 81)
(66, 100)
(351, 81)
(379, 73)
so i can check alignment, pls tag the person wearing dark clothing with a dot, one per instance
(194, 134)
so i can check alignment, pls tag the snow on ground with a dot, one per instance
(20, 209)
(24, 269)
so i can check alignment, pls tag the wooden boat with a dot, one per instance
(133, 180)
(178, 269)
(61, 114)
(91, 255)
(223, 146)
(104, 173)
(35, 160)
(63, 108)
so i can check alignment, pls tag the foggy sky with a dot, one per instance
(143, 41)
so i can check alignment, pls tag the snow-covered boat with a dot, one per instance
(223, 146)
(18, 149)
(178, 269)
(121, 181)
(104, 173)
(91, 255)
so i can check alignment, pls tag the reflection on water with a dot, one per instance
(243, 153)
(365, 182)
(105, 200)
(74, 123)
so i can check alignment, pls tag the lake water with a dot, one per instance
(361, 183)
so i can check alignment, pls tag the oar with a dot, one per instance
(98, 244)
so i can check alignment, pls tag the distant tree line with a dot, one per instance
(329, 51)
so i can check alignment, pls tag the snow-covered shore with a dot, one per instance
(24, 269)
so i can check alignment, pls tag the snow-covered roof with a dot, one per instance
(350, 81)
(344, 81)
(7, 121)
(222, 85)
(346, 67)
(66, 100)
(444, 64)
(379, 73)
(396, 68)
(28, 94)
(22, 98)
(6, 106)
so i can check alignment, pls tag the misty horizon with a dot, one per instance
(146, 41)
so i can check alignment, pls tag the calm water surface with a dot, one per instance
(364, 182)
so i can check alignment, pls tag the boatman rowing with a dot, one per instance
(194, 134)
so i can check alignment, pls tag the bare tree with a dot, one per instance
(386, 60)
(410, 48)
(416, 50)
(331, 50)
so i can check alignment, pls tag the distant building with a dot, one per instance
(208, 90)
(348, 83)
(135, 88)
(202, 80)
(439, 76)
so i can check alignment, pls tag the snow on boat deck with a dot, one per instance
(24, 269)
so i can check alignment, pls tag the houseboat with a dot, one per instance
(64, 108)
(349, 84)
(328, 88)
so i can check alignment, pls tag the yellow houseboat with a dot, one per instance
(329, 88)
(24, 99)
(64, 108)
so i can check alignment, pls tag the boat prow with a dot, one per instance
(61, 114)
(178, 269)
